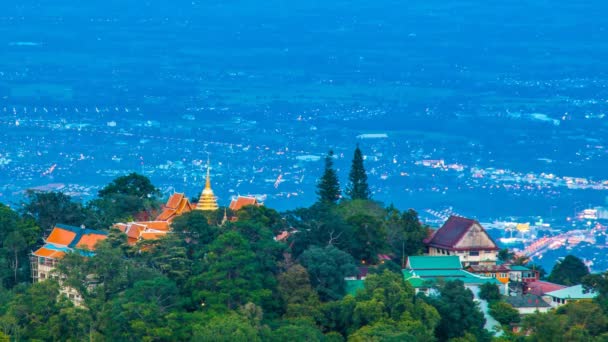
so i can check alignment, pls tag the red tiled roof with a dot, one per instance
(451, 232)
(241, 201)
(540, 287)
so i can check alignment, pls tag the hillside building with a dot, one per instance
(464, 238)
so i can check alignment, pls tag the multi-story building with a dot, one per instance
(464, 238)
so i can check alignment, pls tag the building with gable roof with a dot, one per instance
(62, 240)
(241, 201)
(465, 238)
(563, 296)
(423, 273)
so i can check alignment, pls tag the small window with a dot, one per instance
(42, 275)
(474, 253)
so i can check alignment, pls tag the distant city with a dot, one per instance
(454, 116)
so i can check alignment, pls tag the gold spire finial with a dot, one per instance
(208, 179)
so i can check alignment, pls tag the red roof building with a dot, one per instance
(465, 238)
(242, 201)
(539, 288)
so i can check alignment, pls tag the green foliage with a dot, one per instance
(569, 271)
(505, 255)
(585, 314)
(544, 327)
(328, 187)
(133, 185)
(229, 275)
(459, 313)
(226, 328)
(327, 268)
(319, 225)
(489, 292)
(194, 229)
(49, 208)
(17, 237)
(504, 313)
(369, 238)
(404, 233)
(122, 200)
(357, 187)
(297, 293)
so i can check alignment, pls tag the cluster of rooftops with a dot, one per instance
(460, 250)
(66, 239)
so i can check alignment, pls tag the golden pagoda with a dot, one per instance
(207, 201)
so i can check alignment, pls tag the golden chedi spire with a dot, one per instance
(207, 201)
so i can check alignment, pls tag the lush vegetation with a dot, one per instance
(233, 282)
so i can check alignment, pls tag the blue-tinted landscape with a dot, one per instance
(487, 108)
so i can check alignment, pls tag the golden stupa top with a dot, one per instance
(207, 200)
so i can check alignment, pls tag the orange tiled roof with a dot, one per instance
(89, 241)
(61, 236)
(48, 253)
(165, 214)
(152, 235)
(174, 200)
(157, 225)
(135, 230)
(121, 226)
(241, 201)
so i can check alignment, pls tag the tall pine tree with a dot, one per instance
(358, 188)
(328, 187)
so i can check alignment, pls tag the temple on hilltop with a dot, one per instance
(207, 201)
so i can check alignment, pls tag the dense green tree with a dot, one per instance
(505, 255)
(264, 216)
(542, 327)
(17, 237)
(459, 313)
(297, 293)
(585, 314)
(504, 313)
(298, 331)
(569, 271)
(328, 187)
(489, 292)
(229, 275)
(133, 184)
(404, 233)
(327, 268)
(194, 229)
(319, 225)
(369, 238)
(357, 187)
(226, 328)
(125, 198)
(50, 208)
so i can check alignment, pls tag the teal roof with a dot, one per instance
(572, 292)
(518, 268)
(352, 286)
(426, 278)
(434, 262)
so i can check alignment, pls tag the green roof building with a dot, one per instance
(423, 272)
